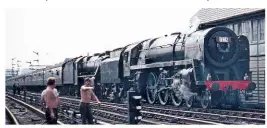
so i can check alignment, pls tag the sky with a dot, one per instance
(65, 33)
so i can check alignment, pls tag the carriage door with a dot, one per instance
(126, 64)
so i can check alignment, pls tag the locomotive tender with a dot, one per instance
(209, 66)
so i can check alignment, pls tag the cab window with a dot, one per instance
(125, 57)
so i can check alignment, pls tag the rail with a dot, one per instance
(35, 110)
(32, 99)
(12, 118)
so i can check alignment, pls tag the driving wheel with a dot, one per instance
(177, 98)
(151, 88)
(205, 99)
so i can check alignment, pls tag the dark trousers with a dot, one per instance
(86, 113)
(49, 120)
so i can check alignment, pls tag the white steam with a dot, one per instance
(194, 24)
(181, 85)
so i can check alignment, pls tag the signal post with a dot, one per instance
(134, 107)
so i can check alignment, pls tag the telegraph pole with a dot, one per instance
(35, 53)
(13, 67)
(18, 66)
(37, 60)
(29, 62)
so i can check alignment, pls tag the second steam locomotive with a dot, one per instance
(209, 66)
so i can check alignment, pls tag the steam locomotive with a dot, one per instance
(209, 66)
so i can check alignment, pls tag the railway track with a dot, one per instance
(244, 112)
(10, 118)
(174, 115)
(217, 115)
(195, 115)
(66, 117)
(113, 116)
(119, 114)
(25, 113)
(251, 113)
(148, 116)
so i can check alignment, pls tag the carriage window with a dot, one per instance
(125, 57)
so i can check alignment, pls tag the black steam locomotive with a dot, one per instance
(209, 66)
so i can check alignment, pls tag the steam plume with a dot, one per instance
(182, 86)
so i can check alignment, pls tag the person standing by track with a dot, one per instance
(51, 101)
(87, 94)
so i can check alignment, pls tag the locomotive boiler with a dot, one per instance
(163, 49)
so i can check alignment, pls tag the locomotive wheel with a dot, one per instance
(177, 99)
(205, 99)
(163, 93)
(163, 96)
(189, 102)
(151, 88)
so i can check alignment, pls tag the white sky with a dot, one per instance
(60, 33)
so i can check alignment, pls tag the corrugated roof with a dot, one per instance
(214, 14)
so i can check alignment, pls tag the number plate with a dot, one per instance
(223, 39)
